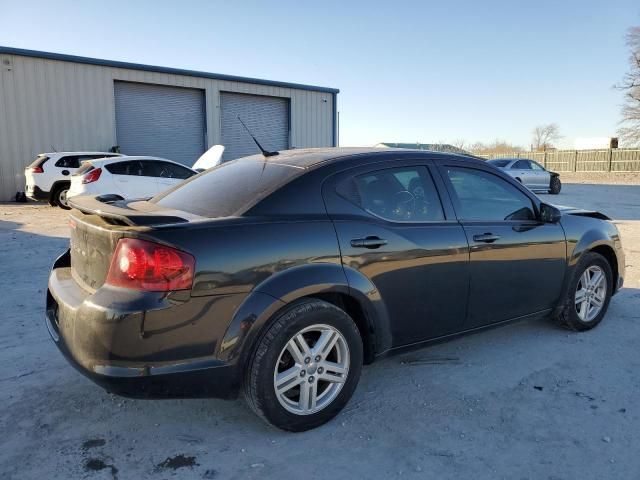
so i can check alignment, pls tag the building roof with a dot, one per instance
(154, 68)
(434, 147)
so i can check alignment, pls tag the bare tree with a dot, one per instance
(460, 143)
(494, 148)
(629, 130)
(545, 136)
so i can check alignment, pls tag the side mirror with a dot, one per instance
(549, 213)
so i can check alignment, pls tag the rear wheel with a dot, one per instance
(305, 367)
(555, 185)
(59, 196)
(588, 294)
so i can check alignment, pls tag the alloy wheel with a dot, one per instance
(311, 369)
(591, 293)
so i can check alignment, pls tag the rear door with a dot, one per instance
(394, 229)
(517, 263)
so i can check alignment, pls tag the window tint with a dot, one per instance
(171, 170)
(229, 189)
(499, 163)
(398, 194)
(70, 161)
(74, 161)
(482, 196)
(135, 168)
(522, 165)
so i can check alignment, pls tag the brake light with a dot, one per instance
(144, 265)
(92, 176)
(36, 169)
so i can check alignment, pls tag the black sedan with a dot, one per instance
(281, 276)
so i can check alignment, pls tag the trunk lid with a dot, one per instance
(96, 225)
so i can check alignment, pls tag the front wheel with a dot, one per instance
(555, 186)
(588, 294)
(305, 367)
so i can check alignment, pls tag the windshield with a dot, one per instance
(229, 189)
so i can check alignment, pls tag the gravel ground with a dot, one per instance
(527, 401)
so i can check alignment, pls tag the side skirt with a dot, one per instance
(445, 338)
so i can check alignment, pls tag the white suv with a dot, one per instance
(48, 177)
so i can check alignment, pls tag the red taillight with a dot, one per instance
(144, 265)
(36, 170)
(92, 176)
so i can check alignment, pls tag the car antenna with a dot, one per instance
(265, 153)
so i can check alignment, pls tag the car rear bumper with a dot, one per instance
(36, 193)
(113, 347)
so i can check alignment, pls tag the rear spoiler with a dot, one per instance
(115, 207)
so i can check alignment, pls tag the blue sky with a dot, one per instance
(407, 70)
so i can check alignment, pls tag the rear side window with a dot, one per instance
(229, 189)
(84, 168)
(482, 196)
(74, 161)
(134, 168)
(396, 194)
(70, 161)
(171, 170)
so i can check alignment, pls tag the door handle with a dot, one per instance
(486, 238)
(368, 242)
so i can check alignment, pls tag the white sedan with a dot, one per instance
(136, 177)
(129, 177)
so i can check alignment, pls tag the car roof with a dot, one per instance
(308, 158)
(51, 154)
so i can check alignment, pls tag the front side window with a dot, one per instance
(397, 194)
(522, 165)
(482, 196)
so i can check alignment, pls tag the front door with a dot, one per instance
(517, 263)
(392, 229)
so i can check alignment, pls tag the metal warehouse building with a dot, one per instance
(53, 102)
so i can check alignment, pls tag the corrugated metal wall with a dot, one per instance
(58, 105)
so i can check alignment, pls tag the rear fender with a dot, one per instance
(283, 288)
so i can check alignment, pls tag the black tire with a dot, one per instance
(568, 317)
(58, 196)
(259, 378)
(555, 186)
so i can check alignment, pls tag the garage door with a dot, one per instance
(266, 117)
(160, 121)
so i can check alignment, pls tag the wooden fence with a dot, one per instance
(610, 160)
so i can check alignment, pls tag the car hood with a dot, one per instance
(209, 159)
(565, 210)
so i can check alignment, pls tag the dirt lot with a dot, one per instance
(527, 401)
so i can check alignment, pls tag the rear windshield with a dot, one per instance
(499, 163)
(229, 189)
(84, 168)
(39, 161)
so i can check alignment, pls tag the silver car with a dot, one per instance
(531, 174)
